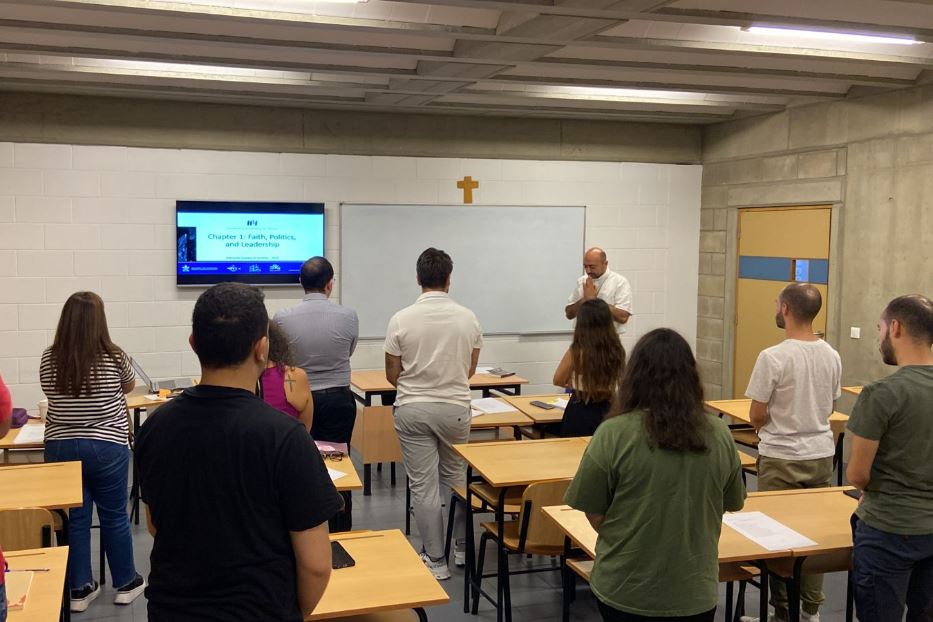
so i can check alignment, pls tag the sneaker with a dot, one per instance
(439, 568)
(81, 599)
(773, 618)
(129, 592)
(460, 553)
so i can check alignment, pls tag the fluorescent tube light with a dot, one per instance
(831, 36)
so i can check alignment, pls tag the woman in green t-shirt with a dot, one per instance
(654, 483)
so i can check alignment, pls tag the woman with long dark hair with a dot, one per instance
(654, 482)
(285, 386)
(591, 367)
(85, 376)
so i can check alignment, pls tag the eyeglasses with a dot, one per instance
(335, 456)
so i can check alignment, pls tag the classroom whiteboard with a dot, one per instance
(513, 266)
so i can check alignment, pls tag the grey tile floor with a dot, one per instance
(535, 597)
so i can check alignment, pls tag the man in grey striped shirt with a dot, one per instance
(322, 336)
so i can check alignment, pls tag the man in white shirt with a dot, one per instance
(601, 282)
(431, 350)
(793, 388)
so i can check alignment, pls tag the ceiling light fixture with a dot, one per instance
(831, 36)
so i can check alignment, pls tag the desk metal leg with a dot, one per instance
(470, 566)
(407, 506)
(367, 480)
(839, 465)
(422, 616)
(567, 581)
(134, 489)
(503, 600)
(763, 593)
(793, 591)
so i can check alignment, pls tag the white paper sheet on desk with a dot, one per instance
(764, 530)
(491, 405)
(560, 402)
(484, 369)
(30, 435)
(335, 474)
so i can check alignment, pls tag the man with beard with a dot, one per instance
(793, 388)
(892, 442)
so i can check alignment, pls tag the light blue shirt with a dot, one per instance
(322, 336)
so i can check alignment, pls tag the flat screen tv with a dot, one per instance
(246, 242)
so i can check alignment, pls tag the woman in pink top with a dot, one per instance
(6, 413)
(283, 386)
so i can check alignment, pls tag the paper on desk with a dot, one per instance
(335, 474)
(491, 405)
(764, 530)
(484, 369)
(30, 435)
(559, 402)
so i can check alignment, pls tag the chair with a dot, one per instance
(485, 498)
(26, 528)
(531, 534)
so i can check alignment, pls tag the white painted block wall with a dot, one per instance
(103, 219)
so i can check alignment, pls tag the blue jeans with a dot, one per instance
(2, 601)
(104, 468)
(890, 571)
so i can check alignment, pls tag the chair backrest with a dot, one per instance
(25, 528)
(536, 529)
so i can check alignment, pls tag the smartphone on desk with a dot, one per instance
(340, 557)
(855, 493)
(543, 405)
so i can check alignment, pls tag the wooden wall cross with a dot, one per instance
(468, 186)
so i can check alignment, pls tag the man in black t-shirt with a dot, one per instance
(237, 495)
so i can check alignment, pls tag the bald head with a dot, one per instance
(595, 262)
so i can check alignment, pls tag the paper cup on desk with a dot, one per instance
(43, 410)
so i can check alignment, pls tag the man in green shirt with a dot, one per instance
(892, 462)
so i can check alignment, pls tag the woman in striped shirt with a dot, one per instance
(85, 377)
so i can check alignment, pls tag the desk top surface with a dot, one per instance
(388, 575)
(374, 381)
(499, 420)
(739, 409)
(51, 485)
(539, 415)
(142, 401)
(821, 514)
(44, 601)
(853, 390)
(350, 480)
(513, 463)
(9, 441)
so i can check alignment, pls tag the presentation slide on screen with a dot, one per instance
(210, 242)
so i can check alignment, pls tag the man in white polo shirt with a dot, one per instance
(793, 388)
(431, 350)
(601, 282)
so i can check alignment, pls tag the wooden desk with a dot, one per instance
(51, 485)
(821, 514)
(739, 409)
(539, 415)
(853, 390)
(504, 464)
(371, 383)
(44, 602)
(9, 442)
(388, 575)
(511, 463)
(350, 480)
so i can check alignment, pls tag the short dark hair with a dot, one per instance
(803, 300)
(915, 313)
(227, 321)
(434, 268)
(316, 273)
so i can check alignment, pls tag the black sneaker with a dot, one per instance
(129, 592)
(80, 599)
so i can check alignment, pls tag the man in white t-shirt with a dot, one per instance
(601, 282)
(793, 389)
(431, 350)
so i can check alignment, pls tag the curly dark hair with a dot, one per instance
(598, 355)
(662, 380)
(279, 351)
